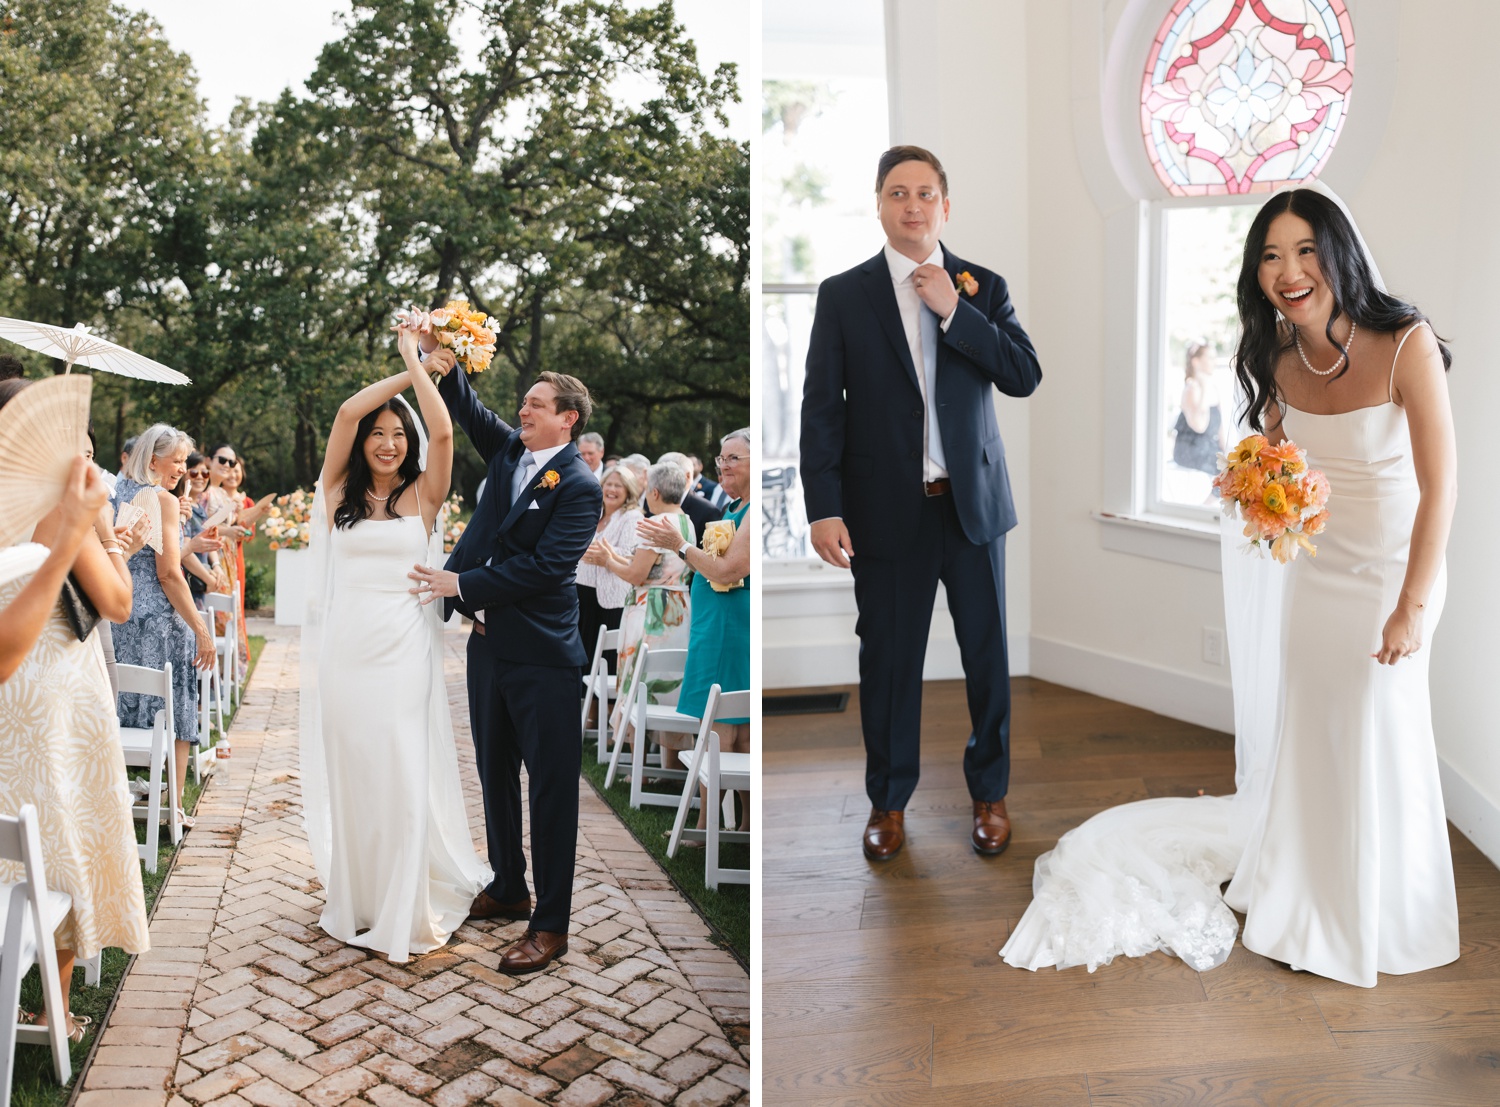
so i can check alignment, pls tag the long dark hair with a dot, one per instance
(1346, 271)
(361, 481)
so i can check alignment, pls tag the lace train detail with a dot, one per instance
(1132, 880)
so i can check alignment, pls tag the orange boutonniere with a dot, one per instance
(549, 480)
(965, 283)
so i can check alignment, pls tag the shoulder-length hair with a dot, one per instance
(359, 481)
(1347, 273)
(157, 440)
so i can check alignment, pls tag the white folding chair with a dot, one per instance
(651, 665)
(156, 750)
(29, 917)
(715, 770)
(599, 689)
(210, 711)
(226, 645)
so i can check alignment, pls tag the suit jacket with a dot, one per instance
(862, 413)
(516, 562)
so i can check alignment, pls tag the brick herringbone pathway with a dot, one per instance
(242, 1000)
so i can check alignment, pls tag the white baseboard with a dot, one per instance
(1165, 691)
(1474, 814)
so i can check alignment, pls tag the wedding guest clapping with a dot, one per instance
(719, 642)
(657, 610)
(163, 625)
(601, 593)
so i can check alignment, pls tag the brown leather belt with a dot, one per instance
(937, 487)
(479, 629)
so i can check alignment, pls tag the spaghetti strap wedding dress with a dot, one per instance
(1336, 840)
(384, 807)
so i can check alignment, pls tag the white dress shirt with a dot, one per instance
(910, 305)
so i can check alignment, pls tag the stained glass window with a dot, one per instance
(1245, 95)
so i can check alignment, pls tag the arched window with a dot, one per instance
(1238, 98)
(1245, 95)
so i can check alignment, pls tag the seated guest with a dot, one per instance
(60, 744)
(163, 625)
(719, 646)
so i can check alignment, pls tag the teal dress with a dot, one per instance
(719, 647)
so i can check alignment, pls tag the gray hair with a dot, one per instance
(669, 479)
(593, 438)
(158, 440)
(743, 432)
(672, 457)
(637, 462)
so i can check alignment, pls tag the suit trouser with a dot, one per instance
(528, 714)
(895, 598)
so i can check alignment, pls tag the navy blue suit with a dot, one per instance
(862, 461)
(516, 563)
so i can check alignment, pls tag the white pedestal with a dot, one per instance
(291, 587)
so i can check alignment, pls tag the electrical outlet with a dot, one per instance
(1213, 645)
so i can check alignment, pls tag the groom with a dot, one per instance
(512, 573)
(902, 461)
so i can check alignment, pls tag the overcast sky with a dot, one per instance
(256, 48)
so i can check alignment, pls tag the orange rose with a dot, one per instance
(549, 480)
(966, 283)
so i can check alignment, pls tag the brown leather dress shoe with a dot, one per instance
(536, 950)
(885, 834)
(991, 827)
(486, 906)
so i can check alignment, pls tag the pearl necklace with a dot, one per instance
(1297, 337)
(378, 499)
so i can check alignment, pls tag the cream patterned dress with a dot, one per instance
(60, 750)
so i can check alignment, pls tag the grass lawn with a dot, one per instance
(33, 1083)
(727, 910)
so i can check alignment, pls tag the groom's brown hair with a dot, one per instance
(898, 154)
(572, 395)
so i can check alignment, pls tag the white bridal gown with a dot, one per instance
(1337, 839)
(386, 814)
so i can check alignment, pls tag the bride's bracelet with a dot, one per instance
(1404, 598)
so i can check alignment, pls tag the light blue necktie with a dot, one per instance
(524, 468)
(929, 329)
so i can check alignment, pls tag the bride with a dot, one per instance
(1336, 838)
(382, 803)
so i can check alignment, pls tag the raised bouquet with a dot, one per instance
(456, 326)
(1281, 500)
(717, 536)
(288, 521)
(453, 526)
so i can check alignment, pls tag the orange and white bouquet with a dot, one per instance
(456, 326)
(453, 526)
(288, 522)
(1282, 501)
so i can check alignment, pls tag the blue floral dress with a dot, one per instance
(153, 635)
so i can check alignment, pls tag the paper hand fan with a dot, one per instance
(127, 515)
(220, 517)
(42, 429)
(149, 502)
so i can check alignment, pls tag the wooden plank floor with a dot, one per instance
(882, 984)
